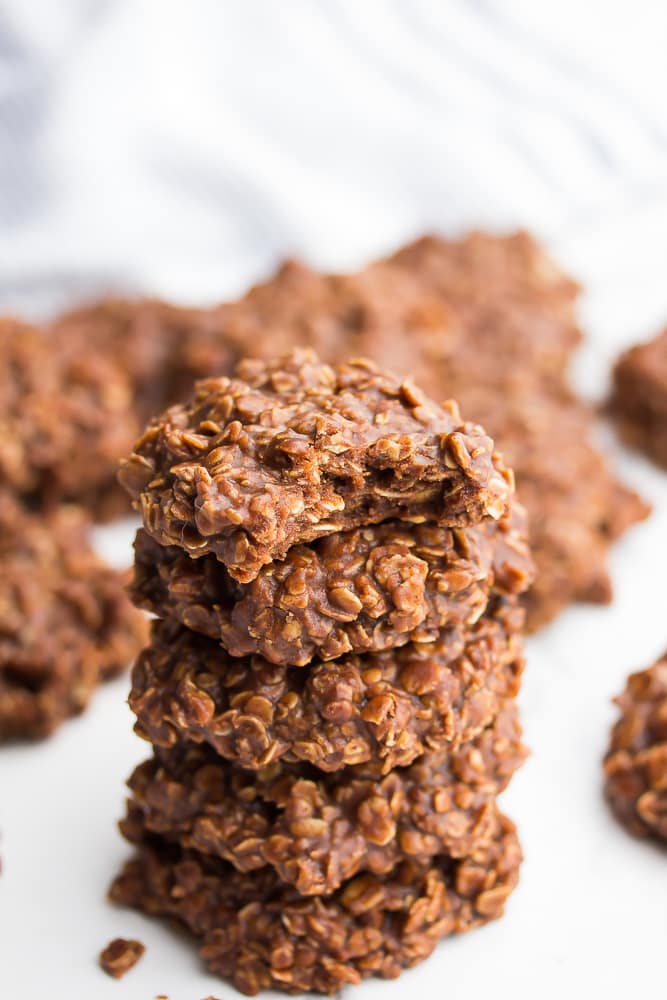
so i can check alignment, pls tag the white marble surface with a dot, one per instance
(181, 149)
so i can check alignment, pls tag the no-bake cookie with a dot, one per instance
(292, 450)
(65, 622)
(636, 764)
(390, 706)
(318, 830)
(145, 338)
(639, 397)
(497, 305)
(491, 322)
(576, 508)
(64, 421)
(368, 589)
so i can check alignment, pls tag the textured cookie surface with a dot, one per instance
(317, 830)
(65, 420)
(489, 321)
(65, 622)
(261, 934)
(576, 508)
(389, 707)
(368, 589)
(636, 763)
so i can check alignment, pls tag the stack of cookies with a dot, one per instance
(335, 563)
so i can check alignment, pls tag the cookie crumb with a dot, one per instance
(120, 955)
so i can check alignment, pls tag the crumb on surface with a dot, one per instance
(120, 955)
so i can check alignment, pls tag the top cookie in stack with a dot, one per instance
(289, 452)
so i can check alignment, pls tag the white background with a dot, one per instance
(182, 149)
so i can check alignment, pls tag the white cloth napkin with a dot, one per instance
(181, 148)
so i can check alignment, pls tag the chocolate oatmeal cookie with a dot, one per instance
(497, 306)
(513, 306)
(293, 450)
(639, 397)
(64, 421)
(636, 764)
(261, 934)
(576, 508)
(390, 706)
(368, 589)
(132, 347)
(65, 622)
(319, 830)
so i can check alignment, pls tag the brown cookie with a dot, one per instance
(292, 450)
(368, 589)
(146, 338)
(319, 830)
(65, 622)
(65, 421)
(496, 307)
(636, 764)
(489, 321)
(390, 706)
(576, 508)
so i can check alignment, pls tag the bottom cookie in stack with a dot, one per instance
(261, 933)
